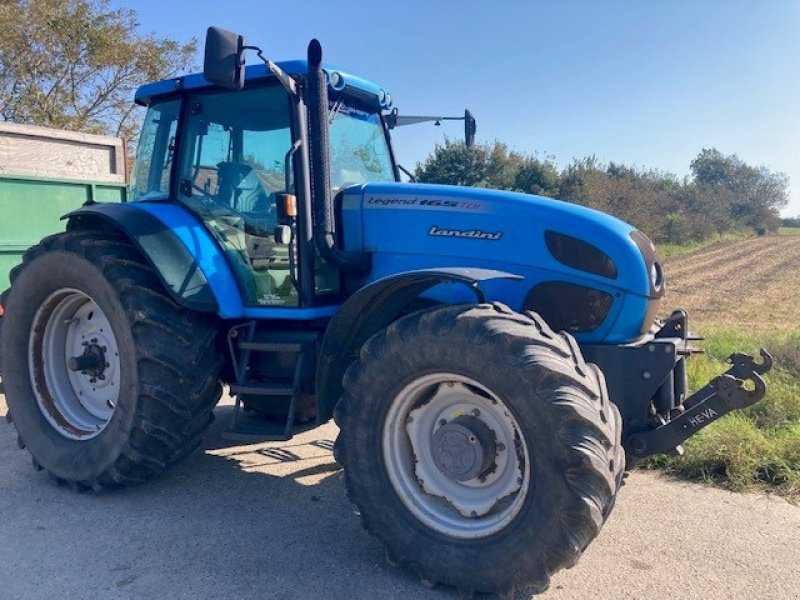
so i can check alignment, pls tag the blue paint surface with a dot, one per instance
(395, 223)
(211, 261)
(253, 73)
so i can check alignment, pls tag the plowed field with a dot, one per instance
(752, 283)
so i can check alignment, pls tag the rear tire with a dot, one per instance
(486, 367)
(146, 393)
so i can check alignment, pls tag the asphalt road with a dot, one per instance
(272, 521)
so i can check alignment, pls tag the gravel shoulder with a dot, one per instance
(272, 521)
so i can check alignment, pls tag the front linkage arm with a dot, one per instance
(719, 397)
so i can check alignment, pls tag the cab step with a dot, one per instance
(244, 342)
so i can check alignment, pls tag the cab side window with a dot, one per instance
(233, 164)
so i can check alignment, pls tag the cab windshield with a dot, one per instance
(358, 148)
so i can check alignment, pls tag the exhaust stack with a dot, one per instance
(322, 202)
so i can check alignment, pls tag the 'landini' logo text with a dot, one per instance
(475, 234)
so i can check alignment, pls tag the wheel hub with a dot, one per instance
(92, 362)
(463, 448)
(456, 455)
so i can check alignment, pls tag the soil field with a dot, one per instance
(750, 283)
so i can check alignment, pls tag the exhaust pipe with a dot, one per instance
(321, 200)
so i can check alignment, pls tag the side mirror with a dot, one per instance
(224, 58)
(469, 129)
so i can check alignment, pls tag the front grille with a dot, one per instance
(569, 307)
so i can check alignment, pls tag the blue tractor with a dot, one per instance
(492, 359)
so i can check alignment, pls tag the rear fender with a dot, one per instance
(176, 267)
(373, 308)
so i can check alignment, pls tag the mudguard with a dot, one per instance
(373, 308)
(175, 265)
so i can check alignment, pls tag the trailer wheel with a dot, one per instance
(479, 447)
(108, 381)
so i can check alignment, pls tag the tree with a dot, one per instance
(753, 195)
(453, 163)
(75, 64)
(537, 176)
(502, 166)
(491, 166)
(723, 194)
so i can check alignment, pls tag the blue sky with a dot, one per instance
(648, 82)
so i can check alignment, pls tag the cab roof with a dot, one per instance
(366, 90)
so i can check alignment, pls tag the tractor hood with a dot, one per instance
(415, 226)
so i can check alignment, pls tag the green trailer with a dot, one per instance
(45, 173)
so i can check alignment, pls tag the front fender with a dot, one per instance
(373, 308)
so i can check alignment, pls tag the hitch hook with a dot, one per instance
(747, 363)
(735, 395)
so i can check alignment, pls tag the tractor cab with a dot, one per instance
(231, 157)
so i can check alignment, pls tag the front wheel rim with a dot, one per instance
(437, 486)
(74, 364)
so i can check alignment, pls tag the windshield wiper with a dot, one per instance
(334, 112)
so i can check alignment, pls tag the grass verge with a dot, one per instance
(667, 250)
(758, 447)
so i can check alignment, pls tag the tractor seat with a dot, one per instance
(240, 188)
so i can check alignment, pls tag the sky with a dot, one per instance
(647, 83)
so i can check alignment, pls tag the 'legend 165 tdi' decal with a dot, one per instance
(475, 234)
(387, 201)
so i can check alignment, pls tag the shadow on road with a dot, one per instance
(230, 521)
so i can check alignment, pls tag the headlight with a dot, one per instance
(652, 263)
(656, 276)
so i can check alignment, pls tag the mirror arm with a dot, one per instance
(286, 81)
(393, 119)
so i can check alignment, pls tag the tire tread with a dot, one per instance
(588, 432)
(176, 355)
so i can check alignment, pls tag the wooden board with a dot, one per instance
(44, 152)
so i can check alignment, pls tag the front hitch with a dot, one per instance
(720, 396)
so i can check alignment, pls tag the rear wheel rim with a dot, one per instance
(74, 364)
(412, 452)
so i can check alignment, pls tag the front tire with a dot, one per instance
(479, 447)
(108, 381)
